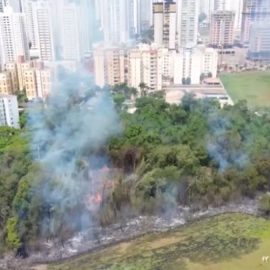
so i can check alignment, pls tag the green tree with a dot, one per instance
(13, 239)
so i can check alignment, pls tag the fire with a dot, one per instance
(95, 199)
(102, 183)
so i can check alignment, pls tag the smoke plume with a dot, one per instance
(224, 144)
(67, 133)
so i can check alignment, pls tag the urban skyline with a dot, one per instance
(158, 43)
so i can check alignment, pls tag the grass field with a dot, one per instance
(227, 242)
(251, 86)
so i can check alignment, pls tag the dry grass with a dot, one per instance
(235, 242)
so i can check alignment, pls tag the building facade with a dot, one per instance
(259, 41)
(9, 112)
(187, 14)
(191, 63)
(5, 83)
(13, 38)
(110, 66)
(165, 24)
(254, 11)
(222, 29)
(41, 12)
(153, 66)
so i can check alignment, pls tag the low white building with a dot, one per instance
(191, 63)
(9, 111)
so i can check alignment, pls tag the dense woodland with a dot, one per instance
(195, 154)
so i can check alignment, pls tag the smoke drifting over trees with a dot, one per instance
(67, 133)
(92, 166)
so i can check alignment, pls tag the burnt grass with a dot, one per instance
(211, 240)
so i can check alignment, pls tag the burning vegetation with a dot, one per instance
(92, 164)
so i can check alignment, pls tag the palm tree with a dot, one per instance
(143, 88)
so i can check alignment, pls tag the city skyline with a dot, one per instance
(158, 43)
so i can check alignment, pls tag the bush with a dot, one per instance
(13, 239)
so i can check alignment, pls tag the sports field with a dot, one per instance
(253, 86)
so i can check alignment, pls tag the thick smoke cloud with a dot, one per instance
(67, 133)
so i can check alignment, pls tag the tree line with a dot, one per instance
(196, 154)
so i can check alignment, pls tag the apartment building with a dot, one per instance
(9, 112)
(222, 28)
(165, 24)
(13, 38)
(5, 83)
(110, 66)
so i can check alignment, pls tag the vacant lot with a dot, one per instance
(251, 86)
(232, 241)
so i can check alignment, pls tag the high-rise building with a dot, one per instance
(237, 7)
(145, 65)
(222, 28)
(13, 38)
(114, 19)
(70, 42)
(188, 12)
(9, 111)
(43, 31)
(158, 23)
(165, 23)
(87, 24)
(134, 12)
(145, 14)
(259, 41)
(253, 11)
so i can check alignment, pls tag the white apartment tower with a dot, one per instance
(9, 112)
(114, 16)
(13, 38)
(43, 29)
(190, 63)
(165, 23)
(86, 19)
(69, 32)
(188, 12)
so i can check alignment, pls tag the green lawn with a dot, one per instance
(231, 241)
(251, 86)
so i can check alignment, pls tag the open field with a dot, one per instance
(253, 86)
(231, 241)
